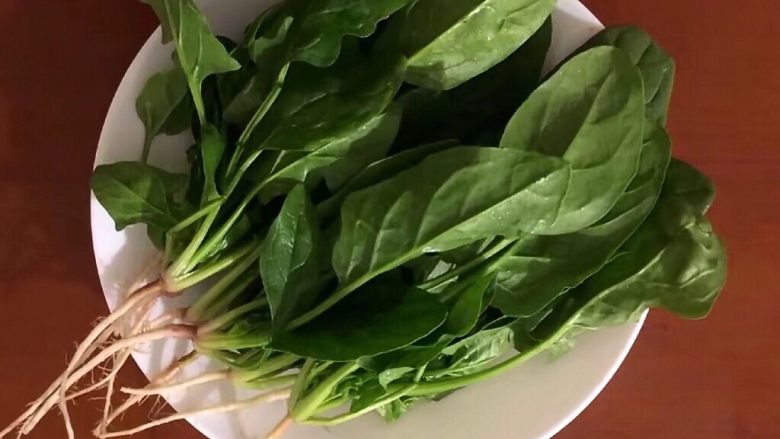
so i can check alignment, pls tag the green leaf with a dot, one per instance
(536, 269)
(212, 147)
(685, 181)
(590, 113)
(466, 309)
(164, 106)
(288, 261)
(450, 41)
(472, 353)
(482, 104)
(656, 65)
(134, 192)
(366, 324)
(303, 31)
(451, 198)
(674, 261)
(318, 27)
(336, 161)
(320, 106)
(378, 171)
(198, 51)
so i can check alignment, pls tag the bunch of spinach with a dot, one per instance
(357, 164)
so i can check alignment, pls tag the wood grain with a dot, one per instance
(60, 62)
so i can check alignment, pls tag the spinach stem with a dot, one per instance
(196, 311)
(452, 274)
(301, 383)
(229, 295)
(390, 397)
(258, 338)
(440, 386)
(307, 406)
(215, 267)
(147, 148)
(267, 367)
(265, 106)
(230, 316)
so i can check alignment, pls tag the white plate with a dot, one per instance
(535, 400)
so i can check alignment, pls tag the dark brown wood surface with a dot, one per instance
(61, 60)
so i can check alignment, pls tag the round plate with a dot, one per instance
(534, 400)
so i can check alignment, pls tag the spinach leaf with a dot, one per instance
(538, 268)
(466, 309)
(164, 106)
(481, 105)
(198, 51)
(378, 171)
(448, 42)
(451, 198)
(591, 114)
(366, 324)
(337, 160)
(685, 181)
(212, 147)
(289, 263)
(318, 27)
(320, 106)
(471, 354)
(674, 261)
(134, 192)
(303, 31)
(656, 65)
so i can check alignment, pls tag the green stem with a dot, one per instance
(332, 404)
(345, 290)
(267, 367)
(452, 274)
(230, 316)
(307, 406)
(213, 268)
(440, 386)
(269, 100)
(270, 383)
(301, 383)
(147, 148)
(390, 397)
(256, 339)
(196, 311)
(170, 235)
(230, 294)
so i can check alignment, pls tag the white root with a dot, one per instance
(138, 298)
(161, 379)
(281, 428)
(172, 331)
(224, 408)
(34, 407)
(198, 380)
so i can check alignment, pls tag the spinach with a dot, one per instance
(321, 105)
(656, 65)
(674, 261)
(134, 192)
(306, 32)
(163, 106)
(199, 53)
(538, 268)
(448, 42)
(289, 259)
(581, 114)
(370, 245)
(367, 323)
(477, 108)
(451, 198)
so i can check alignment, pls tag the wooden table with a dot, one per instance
(60, 62)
